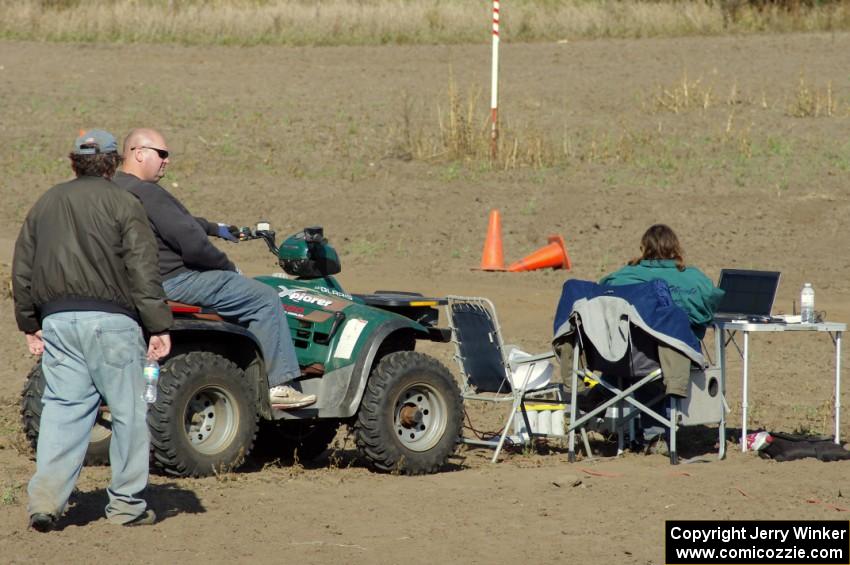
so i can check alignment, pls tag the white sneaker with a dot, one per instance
(284, 397)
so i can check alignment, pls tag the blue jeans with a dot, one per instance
(88, 355)
(252, 303)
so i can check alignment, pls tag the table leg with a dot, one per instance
(744, 404)
(837, 385)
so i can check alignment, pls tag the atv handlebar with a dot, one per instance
(314, 248)
(262, 231)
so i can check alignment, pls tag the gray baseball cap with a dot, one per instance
(95, 141)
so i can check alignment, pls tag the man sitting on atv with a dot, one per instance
(196, 272)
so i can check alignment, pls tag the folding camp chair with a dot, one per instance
(491, 375)
(629, 390)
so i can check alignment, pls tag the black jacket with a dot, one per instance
(182, 238)
(86, 245)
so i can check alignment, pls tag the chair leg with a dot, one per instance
(619, 425)
(517, 403)
(571, 441)
(674, 418)
(571, 453)
(506, 430)
(586, 443)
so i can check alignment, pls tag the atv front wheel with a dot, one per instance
(411, 415)
(205, 418)
(31, 407)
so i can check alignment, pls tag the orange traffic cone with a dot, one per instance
(492, 259)
(553, 255)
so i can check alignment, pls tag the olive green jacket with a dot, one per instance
(691, 289)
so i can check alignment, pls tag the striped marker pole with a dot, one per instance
(494, 84)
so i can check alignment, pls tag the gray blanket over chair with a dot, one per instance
(606, 322)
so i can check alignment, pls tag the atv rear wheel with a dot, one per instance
(31, 407)
(411, 415)
(305, 438)
(205, 418)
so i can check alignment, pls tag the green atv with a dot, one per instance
(356, 353)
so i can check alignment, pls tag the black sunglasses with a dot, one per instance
(163, 153)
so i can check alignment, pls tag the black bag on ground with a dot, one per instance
(788, 447)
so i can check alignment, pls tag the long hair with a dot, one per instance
(96, 165)
(660, 242)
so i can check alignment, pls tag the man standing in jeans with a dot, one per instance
(194, 271)
(84, 276)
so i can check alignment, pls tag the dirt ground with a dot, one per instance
(309, 136)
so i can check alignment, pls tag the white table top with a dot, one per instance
(745, 326)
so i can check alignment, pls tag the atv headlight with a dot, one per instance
(307, 254)
(304, 268)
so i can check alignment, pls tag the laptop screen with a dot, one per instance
(748, 293)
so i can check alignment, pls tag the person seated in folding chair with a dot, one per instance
(662, 258)
(620, 340)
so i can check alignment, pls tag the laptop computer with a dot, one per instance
(749, 295)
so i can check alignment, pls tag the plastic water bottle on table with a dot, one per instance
(807, 304)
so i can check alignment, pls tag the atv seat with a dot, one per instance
(311, 370)
(194, 311)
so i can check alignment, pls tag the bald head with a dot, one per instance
(145, 154)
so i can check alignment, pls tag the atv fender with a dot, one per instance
(183, 325)
(229, 340)
(363, 368)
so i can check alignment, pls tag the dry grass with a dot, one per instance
(344, 22)
(813, 102)
(804, 101)
(685, 95)
(734, 130)
(5, 280)
(10, 494)
(463, 133)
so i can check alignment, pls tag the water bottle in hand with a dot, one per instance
(807, 304)
(151, 373)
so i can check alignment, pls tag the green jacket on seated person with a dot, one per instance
(691, 289)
